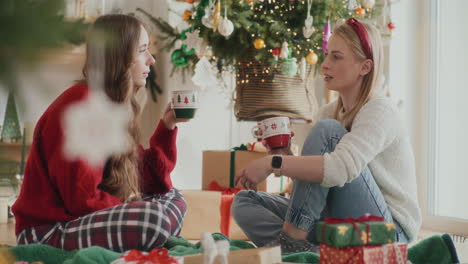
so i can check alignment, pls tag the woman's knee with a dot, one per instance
(321, 134)
(238, 206)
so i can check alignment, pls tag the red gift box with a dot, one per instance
(393, 253)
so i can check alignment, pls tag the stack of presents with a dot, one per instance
(209, 210)
(364, 240)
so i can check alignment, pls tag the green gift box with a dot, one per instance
(348, 232)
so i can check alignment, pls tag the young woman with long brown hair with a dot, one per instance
(357, 159)
(128, 202)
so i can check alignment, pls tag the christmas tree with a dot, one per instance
(236, 29)
(11, 129)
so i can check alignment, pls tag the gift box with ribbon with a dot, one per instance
(345, 232)
(393, 253)
(221, 166)
(210, 211)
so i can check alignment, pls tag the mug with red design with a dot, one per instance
(275, 131)
(184, 103)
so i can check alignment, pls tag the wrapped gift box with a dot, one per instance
(393, 253)
(262, 255)
(221, 167)
(347, 234)
(204, 215)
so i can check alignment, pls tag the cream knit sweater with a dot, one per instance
(378, 140)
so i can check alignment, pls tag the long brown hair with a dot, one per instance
(370, 80)
(110, 50)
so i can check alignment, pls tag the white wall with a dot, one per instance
(408, 76)
(450, 191)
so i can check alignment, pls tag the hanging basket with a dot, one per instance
(262, 93)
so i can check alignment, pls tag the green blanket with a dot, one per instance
(435, 249)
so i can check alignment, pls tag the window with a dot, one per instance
(447, 177)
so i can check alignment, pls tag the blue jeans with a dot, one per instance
(261, 215)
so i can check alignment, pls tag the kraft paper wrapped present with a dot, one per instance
(221, 167)
(393, 253)
(262, 255)
(345, 232)
(204, 214)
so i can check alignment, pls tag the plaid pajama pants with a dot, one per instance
(141, 225)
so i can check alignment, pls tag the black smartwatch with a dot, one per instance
(277, 164)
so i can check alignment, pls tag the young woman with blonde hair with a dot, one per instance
(128, 202)
(357, 159)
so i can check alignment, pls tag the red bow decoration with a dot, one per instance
(156, 256)
(227, 195)
(214, 186)
(363, 219)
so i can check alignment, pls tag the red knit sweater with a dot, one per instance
(56, 189)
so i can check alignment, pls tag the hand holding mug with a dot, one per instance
(170, 119)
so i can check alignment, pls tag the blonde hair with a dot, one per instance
(371, 80)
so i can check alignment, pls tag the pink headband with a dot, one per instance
(363, 37)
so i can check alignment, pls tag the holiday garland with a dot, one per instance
(267, 30)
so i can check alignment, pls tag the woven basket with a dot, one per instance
(261, 94)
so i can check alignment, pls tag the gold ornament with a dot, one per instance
(342, 229)
(259, 43)
(360, 12)
(312, 58)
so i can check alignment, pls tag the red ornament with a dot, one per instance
(276, 51)
(391, 26)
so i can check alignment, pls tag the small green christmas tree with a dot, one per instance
(11, 129)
